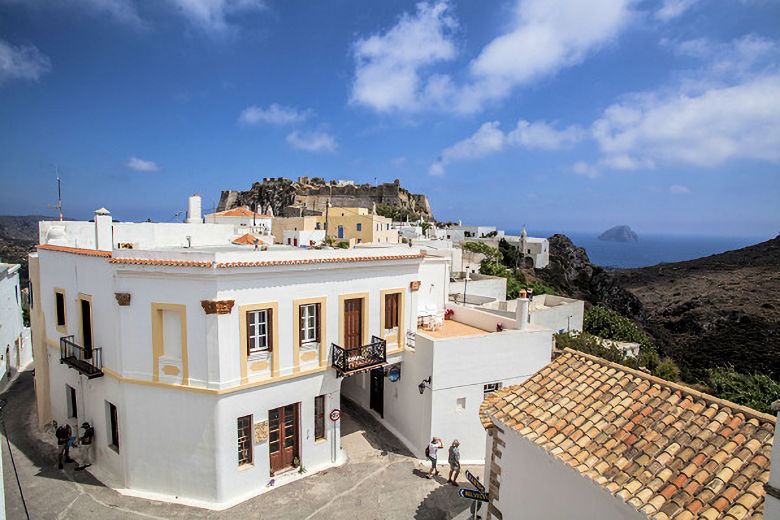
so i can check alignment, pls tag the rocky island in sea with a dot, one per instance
(619, 234)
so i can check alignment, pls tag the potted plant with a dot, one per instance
(499, 326)
(448, 314)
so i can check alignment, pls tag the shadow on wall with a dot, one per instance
(377, 435)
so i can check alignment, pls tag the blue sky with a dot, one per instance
(563, 115)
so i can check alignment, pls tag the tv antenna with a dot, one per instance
(58, 207)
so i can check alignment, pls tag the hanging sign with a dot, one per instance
(335, 414)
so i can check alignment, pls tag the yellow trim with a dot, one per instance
(64, 328)
(259, 365)
(158, 349)
(253, 384)
(242, 310)
(297, 329)
(308, 356)
(401, 337)
(364, 315)
(87, 298)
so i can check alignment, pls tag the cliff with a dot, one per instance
(310, 196)
(619, 234)
(19, 236)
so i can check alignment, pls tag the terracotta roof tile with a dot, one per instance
(669, 451)
(75, 250)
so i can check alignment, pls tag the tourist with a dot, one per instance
(86, 443)
(64, 442)
(431, 452)
(454, 462)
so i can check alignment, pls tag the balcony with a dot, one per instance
(349, 361)
(87, 361)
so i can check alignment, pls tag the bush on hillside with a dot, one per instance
(755, 391)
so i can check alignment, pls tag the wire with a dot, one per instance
(13, 463)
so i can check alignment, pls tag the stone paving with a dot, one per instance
(381, 480)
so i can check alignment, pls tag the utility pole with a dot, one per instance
(327, 207)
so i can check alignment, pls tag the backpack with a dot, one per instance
(428, 451)
(89, 433)
(62, 434)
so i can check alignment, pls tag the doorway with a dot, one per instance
(283, 436)
(86, 327)
(377, 399)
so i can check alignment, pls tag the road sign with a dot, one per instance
(472, 495)
(335, 414)
(475, 482)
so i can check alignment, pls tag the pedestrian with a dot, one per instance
(431, 452)
(64, 442)
(454, 462)
(86, 443)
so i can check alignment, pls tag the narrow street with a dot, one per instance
(381, 480)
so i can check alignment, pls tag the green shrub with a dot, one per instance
(667, 369)
(609, 324)
(755, 391)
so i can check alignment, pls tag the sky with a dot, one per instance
(564, 115)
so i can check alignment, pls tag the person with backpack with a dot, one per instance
(431, 452)
(86, 444)
(64, 442)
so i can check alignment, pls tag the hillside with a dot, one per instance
(18, 236)
(713, 311)
(310, 197)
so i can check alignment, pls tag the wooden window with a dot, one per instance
(319, 417)
(490, 388)
(310, 323)
(258, 334)
(245, 440)
(113, 418)
(60, 301)
(391, 311)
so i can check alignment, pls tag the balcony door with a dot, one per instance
(283, 436)
(86, 327)
(353, 323)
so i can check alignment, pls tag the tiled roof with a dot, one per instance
(167, 263)
(243, 211)
(668, 450)
(75, 250)
(248, 239)
(225, 265)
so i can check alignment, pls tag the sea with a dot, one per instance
(651, 249)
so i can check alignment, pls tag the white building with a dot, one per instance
(209, 369)
(461, 233)
(559, 313)
(14, 336)
(304, 237)
(588, 439)
(242, 217)
(538, 249)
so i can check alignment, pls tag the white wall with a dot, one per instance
(435, 277)
(558, 313)
(535, 485)
(461, 368)
(491, 287)
(15, 344)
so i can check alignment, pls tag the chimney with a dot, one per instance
(193, 216)
(772, 499)
(103, 230)
(521, 313)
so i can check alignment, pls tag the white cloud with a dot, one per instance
(22, 62)
(678, 189)
(134, 163)
(490, 139)
(706, 129)
(312, 141)
(274, 114)
(213, 15)
(388, 65)
(673, 8)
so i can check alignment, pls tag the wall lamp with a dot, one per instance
(421, 386)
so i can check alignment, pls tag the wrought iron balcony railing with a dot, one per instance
(351, 360)
(88, 361)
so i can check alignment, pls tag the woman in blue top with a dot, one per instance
(454, 461)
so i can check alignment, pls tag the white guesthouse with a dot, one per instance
(209, 369)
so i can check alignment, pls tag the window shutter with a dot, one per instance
(317, 319)
(269, 316)
(301, 325)
(248, 331)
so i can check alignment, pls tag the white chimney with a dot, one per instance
(103, 230)
(521, 313)
(193, 216)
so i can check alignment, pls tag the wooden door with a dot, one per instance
(353, 323)
(283, 436)
(377, 399)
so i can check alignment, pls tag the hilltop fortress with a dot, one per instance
(309, 196)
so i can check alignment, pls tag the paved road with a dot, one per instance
(380, 481)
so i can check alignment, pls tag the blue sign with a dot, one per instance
(475, 482)
(472, 495)
(395, 374)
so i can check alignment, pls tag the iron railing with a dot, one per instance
(350, 360)
(88, 361)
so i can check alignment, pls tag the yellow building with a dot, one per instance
(354, 225)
